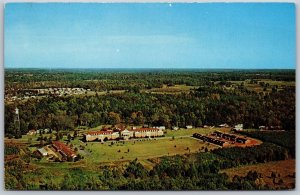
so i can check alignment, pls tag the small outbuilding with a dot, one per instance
(42, 151)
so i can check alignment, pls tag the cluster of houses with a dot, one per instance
(123, 133)
(210, 139)
(35, 132)
(59, 150)
(222, 139)
(238, 127)
(33, 93)
(230, 137)
(271, 128)
(55, 91)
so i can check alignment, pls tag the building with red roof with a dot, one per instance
(66, 152)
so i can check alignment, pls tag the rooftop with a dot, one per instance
(64, 148)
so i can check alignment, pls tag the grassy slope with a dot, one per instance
(285, 168)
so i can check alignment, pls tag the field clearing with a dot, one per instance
(142, 150)
(93, 93)
(171, 89)
(279, 83)
(285, 168)
(258, 88)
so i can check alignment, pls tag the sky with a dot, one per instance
(150, 35)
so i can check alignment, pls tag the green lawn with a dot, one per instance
(97, 152)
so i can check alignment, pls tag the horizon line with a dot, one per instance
(189, 68)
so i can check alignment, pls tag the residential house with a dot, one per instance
(31, 132)
(161, 127)
(175, 128)
(224, 125)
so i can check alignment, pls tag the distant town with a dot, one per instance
(33, 93)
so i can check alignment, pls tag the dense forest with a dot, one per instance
(112, 79)
(214, 100)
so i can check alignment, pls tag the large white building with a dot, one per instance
(101, 135)
(123, 134)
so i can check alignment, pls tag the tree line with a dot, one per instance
(211, 107)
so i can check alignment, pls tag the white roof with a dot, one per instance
(42, 150)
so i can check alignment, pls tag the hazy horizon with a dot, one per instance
(150, 35)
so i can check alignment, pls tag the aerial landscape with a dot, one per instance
(153, 96)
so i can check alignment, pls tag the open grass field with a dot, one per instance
(258, 88)
(170, 89)
(284, 170)
(279, 83)
(124, 151)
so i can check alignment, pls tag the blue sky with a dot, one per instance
(198, 35)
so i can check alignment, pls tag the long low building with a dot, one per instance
(231, 137)
(66, 152)
(101, 135)
(147, 132)
(123, 134)
(210, 139)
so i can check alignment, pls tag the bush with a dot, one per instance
(10, 136)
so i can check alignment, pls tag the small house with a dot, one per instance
(42, 152)
(262, 127)
(238, 127)
(224, 125)
(175, 128)
(161, 127)
(32, 132)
